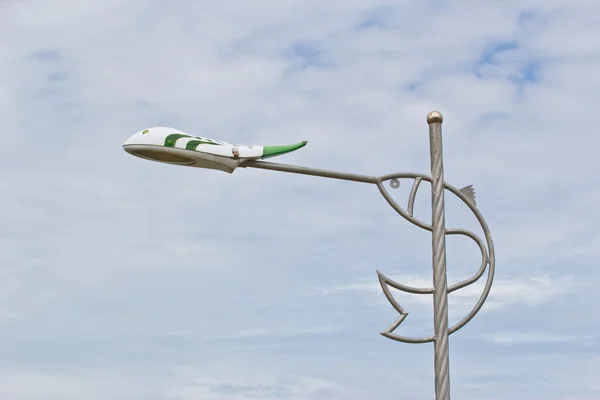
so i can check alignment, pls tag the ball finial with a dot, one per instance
(434, 116)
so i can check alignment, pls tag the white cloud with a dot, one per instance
(100, 251)
(70, 385)
(525, 291)
(284, 332)
(275, 386)
(508, 338)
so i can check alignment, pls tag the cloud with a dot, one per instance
(276, 386)
(262, 283)
(280, 332)
(70, 384)
(285, 332)
(506, 293)
(510, 338)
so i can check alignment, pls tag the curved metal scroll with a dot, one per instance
(487, 253)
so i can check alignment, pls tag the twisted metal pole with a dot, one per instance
(438, 245)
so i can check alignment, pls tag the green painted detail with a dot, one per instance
(174, 137)
(144, 132)
(192, 144)
(272, 151)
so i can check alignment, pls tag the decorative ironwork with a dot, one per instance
(486, 248)
(440, 289)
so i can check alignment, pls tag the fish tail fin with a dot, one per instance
(469, 193)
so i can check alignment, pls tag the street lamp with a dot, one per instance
(171, 146)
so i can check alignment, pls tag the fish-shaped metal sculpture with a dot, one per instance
(486, 247)
(172, 146)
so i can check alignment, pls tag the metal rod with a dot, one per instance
(294, 169)
(438, 245)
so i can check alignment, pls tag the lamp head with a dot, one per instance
(172, 146)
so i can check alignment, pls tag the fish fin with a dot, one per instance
(469, 193)
(273, 151)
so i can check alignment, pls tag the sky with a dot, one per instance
(130, 280)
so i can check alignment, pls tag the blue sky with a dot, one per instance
(125, 279)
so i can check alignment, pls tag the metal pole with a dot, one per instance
(438, 245)
(295, 169)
